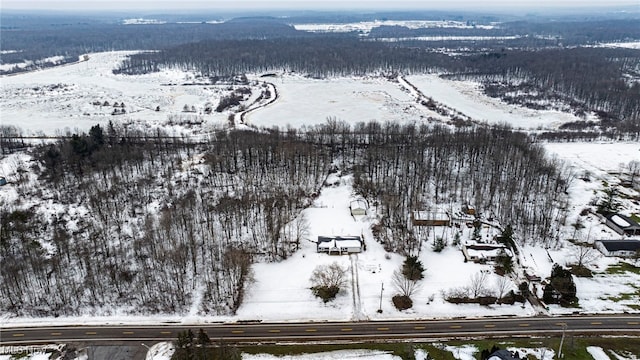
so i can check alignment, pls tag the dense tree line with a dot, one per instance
(499, 171)
(148, 221)
(152, 223)
(582, 79)
(530, 34)
(36, 42)
(317, 57)
(588, 79)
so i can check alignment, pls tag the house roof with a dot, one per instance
(322, 239)
(624, 222)
(358, 204)
(620, 245)
(502, 355)
(336, 243)
(431, 215)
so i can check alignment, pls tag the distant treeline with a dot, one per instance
(554, 60)
(531, 34)
(587, 78)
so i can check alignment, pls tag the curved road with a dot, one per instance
(624, 325)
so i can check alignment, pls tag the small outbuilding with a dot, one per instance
(619, 248)
(431, 218)
(623, 225)
(468, 209)
(339, 245)
(358, 207)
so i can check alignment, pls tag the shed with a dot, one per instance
(358, 207)
(339, 244)
(431, 218)
(621, 224)
(468, 209)
(620, 248)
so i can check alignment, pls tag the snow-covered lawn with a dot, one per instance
(331, 355)
(281, 291)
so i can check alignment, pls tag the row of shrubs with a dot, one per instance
(510, 299)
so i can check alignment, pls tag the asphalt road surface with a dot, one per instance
(328, 331)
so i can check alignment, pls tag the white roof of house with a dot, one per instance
(430, 215)
(340, 243)
(620, 221)
(483, 253)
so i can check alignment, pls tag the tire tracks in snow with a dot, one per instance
(355, 289)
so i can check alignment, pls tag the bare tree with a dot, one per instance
(585, 255)
(634, 171)
(478, 285)
(502, 285)
(404, 285)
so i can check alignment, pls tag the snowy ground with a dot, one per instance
(281, 290)
(332, 355)
(54, 99)
(304, 101)
(62, 99)
(595, 165)
(164, 350)
(467, 98)
(275, 295)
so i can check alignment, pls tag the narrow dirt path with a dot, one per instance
(355, 289)
(273, 99)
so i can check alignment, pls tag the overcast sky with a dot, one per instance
(309, 4)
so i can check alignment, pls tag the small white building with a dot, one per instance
(339, 244)
(358, 207)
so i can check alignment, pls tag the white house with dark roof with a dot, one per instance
(339, 244)
(619, 248)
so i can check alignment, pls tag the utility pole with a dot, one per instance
(564, 328)
(381, 290)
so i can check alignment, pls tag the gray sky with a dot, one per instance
(309, 4)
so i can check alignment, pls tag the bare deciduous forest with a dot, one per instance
(151, 222)
(157, 218)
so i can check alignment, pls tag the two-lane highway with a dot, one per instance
(627, 325)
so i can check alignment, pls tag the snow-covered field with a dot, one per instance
(467, 98)
(73, 98)
(50, 100)
(303, 101)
